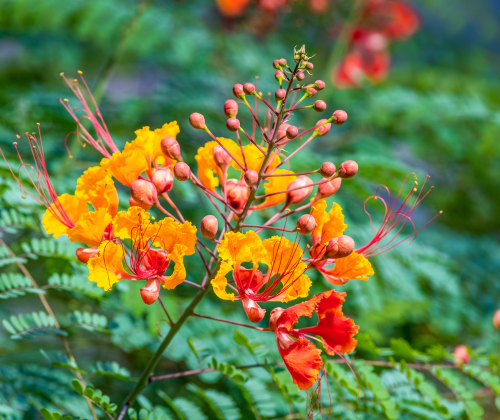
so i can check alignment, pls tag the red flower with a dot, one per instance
(396, 19)
(336, 332)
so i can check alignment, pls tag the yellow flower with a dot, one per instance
(89, 229)
(96, 186)
(62, 216)
(275, 184)
(127, 166)
(106, 267)
(328, 225)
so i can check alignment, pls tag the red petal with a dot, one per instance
(290, 316)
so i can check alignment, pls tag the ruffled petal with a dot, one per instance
(167, 233)
(179, 273)
(96, 186)
(90, 228)
(219, 283)
(296, 284)
(52, 220)
(237, 247)
(291, 316)
(282, 255)
(328, 225)
(354, 267)
(273, 185)
(170, 129)
(126, 223)
(106, 268)
(127, 166)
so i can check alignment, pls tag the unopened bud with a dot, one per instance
(248, 88)
(233, 124)
(134, 203)
(170, 148)
(151, 291)
(279, 76)
(163, 179)
(144, 191)
(254, 312)
(85, 254)
(182, 171)
(282, 62)
(340, 247)
(237, 193)
(296, 58)
(319, 105)
(209, 226)
(319, 85)
(303, 65)
(496, 319)
(231, 108)
(348, 169)
(321, 128)
(327, 189)
(197, 120)
(279, 95)
(306, 224)
(282, 130)
(299, 195)
(238, 91)
(221, 157)
(309, 65)
(251, 177)
(461, 354)
(310, 92)
(292, 132)
(276, 64)
(273, 318)
(327, 169)
(300, 76)
(339, 117)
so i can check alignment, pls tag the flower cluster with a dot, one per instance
(242, 177)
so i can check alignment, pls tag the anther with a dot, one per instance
(75, 81)
(80, 72)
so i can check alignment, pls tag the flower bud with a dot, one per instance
(292, 132)
(151, 291)
(238, 91)
(279, 95)
(282, 130)
(276, 64)
(233, 124)
(461, 354)
(306, 224)
(182, 171)
(327, 169)
(339, 117)
(221, 157)
(197, 120)
(309, 65)
(348, 169)
(134, 203)
(322, 128)
(251, 177)
(298, 196)
(231, 108)
(296, 58)
(279, 76)
(300, 76)
(496, 319)
(209, 226)
(237, 193)
(163, 179)
(85, 254)
(282, 62)
(327, 189)
(303, 65)
(340, 247)
(317, 251)
(310, 92)
(273, 319)
(254, 312)
(170, 148)
(248, 88)
(319, 85)
(319, 105)
(144, 191)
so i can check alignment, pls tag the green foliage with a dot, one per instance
(89, 321)
(49, 247)
(76, 283)
(14, 285)
(30, 325)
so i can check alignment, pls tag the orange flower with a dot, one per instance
(336, 332)
(232, 8)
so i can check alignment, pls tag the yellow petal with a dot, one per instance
(96, 186)
(237, 247)
(127, 166)
(328, 225)
(179, 273)
(219, 283)
(299, 283)
(169, 129)
(73, 206)
(106, 268)
(355, 266)
(127, 222)
(275, 184)
(90, 228)
(282, 255)
(167, 233)
(255, 158)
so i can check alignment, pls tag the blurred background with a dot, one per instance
(422, 98)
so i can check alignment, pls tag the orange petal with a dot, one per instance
(273, 185)
(96, 186)
(90, 228)
(73, 206)
(354, 267)
(127, 166)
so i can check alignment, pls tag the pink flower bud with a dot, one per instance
(496, 319)
(237, 193)
(238, 91)
(282, 62)
(279, 76)
(248, 88)
(182, 171)
(254, 312)
(310, 92)
(298, 196)
(327, 169)
(163, 180)
(306, 224)
(276, 64)
(282, 130)
(340, 247)
(151, 291)
(461, 354)
(319, 105)
(348, 169)
(319, 85)
(231, 108)
(280, 94)
(233, 124)
(303, 65)
(322, 129)
(300, 76)
(291, 132)
(170, 148)
(327, 189)
(251, 177)
(209, 226)
(85, 254)
(221, 157)
(197, 120)
(273, 319)
(339, 117)
(134, 203)
(144, 191)
(309, 65)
